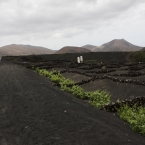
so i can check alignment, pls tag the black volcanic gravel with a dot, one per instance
(33, 112)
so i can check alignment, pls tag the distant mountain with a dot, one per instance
(143, 49)
(88, 46)
(72, 49)
(117, 45)
(16, 50)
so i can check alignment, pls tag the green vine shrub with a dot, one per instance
(96, 98)
(135, 116)
(99, 98)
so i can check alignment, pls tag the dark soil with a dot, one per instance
(117, 90)
(33, 112)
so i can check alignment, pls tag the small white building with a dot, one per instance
(78, 59)
(81, 59)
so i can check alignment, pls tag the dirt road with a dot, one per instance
(33, 112)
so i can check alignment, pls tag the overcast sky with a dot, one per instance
(57, 23)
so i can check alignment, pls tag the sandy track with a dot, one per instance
(33, 112)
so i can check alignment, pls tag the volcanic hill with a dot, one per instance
(16, 50)
(88, 46)
(116, 45)
(72, 49)
(143, 49)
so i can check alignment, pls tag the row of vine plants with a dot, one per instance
(96, 98)
(135, 115)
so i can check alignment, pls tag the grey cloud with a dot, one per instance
(65, 18)
(118, 5)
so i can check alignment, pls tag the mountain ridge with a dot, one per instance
(72, 49)
(20, 49)
(88, 46)
(116, 45)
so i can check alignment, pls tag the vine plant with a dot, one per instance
(96, 98)
(135, 116)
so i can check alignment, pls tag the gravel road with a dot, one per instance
(33, 112)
